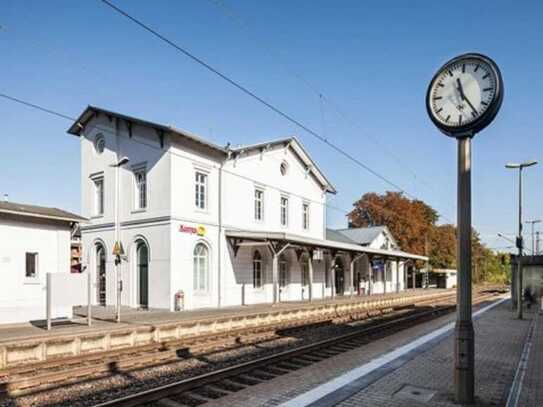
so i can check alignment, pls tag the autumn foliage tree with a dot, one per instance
(409, 221)
(413, 223)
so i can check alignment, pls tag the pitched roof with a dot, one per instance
(332, 234)
(35, 211)
(91, 111)
(362, 235)
(87, 115)
(299, 150)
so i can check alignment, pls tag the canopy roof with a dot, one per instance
(34, 211)
(264, 236)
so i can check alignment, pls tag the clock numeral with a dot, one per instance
(484, 103)
(450, 73)
(438, 97)
(439, 110)
(459, 119)
(464, 68)
(486, 76)
(448, 117)
(476, 68)
(487, 89)
(440, 85)
(474, 114)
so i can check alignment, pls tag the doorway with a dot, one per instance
(340, 277)
(101, 273)
(142, 267)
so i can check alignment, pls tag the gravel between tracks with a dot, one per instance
(95, 390)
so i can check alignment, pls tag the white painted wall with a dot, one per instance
(23, 299)
(171, 203)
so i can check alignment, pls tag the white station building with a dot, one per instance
(173, 215)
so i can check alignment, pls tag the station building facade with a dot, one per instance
(174, 216)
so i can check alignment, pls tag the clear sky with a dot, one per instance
(373, 59)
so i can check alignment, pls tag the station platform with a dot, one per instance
(28, 343)
(415, 368)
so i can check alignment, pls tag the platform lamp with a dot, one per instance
(519, 243)
(118, 248)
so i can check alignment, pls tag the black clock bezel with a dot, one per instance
(469, 129)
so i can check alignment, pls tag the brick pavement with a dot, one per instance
(531, 394)
(499, 340)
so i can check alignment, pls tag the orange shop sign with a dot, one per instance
(200, 230)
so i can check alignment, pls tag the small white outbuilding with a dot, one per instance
(34, 241)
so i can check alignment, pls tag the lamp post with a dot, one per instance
(519, 242)
(533, 222)
(118, 246)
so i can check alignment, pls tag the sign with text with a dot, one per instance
(200, 230)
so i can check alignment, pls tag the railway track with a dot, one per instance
(219, 383)
(24, 379)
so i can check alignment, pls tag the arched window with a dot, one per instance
(201, 267)
(305, 270)
(257, 270)
(283, 271)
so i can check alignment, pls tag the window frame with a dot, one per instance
(142, 169)
(98, 202)
(200, 197)
(197, 269)
(259, 201)
(258, 268)
(305, 215)
(36, 266)
(283, 210)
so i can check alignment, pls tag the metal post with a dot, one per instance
(370, 277)
(464, 335)
(333, 276)
(275, 268)
(537, 243)
(519, 245)
(385, 263)
(310, 265)
(397, 276)
(414, 277)
(48, 300)
(89, 300)
(351, 272)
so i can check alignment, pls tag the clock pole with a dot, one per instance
(464, 349)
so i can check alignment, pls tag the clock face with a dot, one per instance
(465, 94)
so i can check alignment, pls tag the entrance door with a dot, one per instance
(340, 277)
(101, 273)
(142, 254)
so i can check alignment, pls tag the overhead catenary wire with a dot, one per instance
(261, 100)
(230, 13)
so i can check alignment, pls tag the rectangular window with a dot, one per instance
(140, 177)
(284, 211)
(200, 190)
(31, 265)
(305, 216)
(259, 205)
(98, 196)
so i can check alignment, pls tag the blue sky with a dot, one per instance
(373, 59)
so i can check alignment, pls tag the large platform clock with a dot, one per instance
(465, 95)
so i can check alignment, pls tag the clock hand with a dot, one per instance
(463, 96)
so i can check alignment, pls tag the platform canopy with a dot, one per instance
(239, 238)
